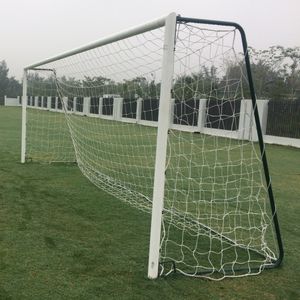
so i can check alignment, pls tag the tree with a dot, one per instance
(98, 86)
(3, 78)
(276, 72)
(203, 84)
(14, 88)
(8, 85)
(139, 87)
(291, 69)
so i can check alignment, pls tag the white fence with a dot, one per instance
(246, 127)
(8, 101)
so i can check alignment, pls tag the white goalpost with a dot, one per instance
(164, 117)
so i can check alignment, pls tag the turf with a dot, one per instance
(62, 238)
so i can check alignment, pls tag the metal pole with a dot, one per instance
(110, 39)
(24, 106)
(161, 145)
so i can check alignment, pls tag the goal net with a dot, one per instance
(162, 109)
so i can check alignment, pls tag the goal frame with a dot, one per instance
(169, 22)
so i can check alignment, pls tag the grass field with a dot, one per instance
(62, 238)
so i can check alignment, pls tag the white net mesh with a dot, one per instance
(100, 108)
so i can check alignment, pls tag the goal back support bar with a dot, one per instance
(257, 123)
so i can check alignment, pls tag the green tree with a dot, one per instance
(203, 84)
(291, 69)
(98, 86)
(276, 72)
(8, 85)
(14, 88)
(3, 78)
(139, 87)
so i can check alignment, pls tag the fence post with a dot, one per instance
(201, 114)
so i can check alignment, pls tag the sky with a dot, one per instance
(33, 30)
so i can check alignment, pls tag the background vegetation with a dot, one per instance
(276, 73)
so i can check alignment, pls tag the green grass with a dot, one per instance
(62, 238)
(215, 182)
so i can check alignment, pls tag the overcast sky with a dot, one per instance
(32, 30)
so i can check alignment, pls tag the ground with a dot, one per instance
(63, 238)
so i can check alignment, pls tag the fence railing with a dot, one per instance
(10, 101)
(280, 120)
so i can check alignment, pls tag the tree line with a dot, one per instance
(8, 85)
(276, 74)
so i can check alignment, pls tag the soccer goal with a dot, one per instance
(164, 117)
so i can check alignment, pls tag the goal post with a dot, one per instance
(24, 106)
(161, 145)
(158, 117)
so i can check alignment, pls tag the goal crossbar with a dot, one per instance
(157, 23)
